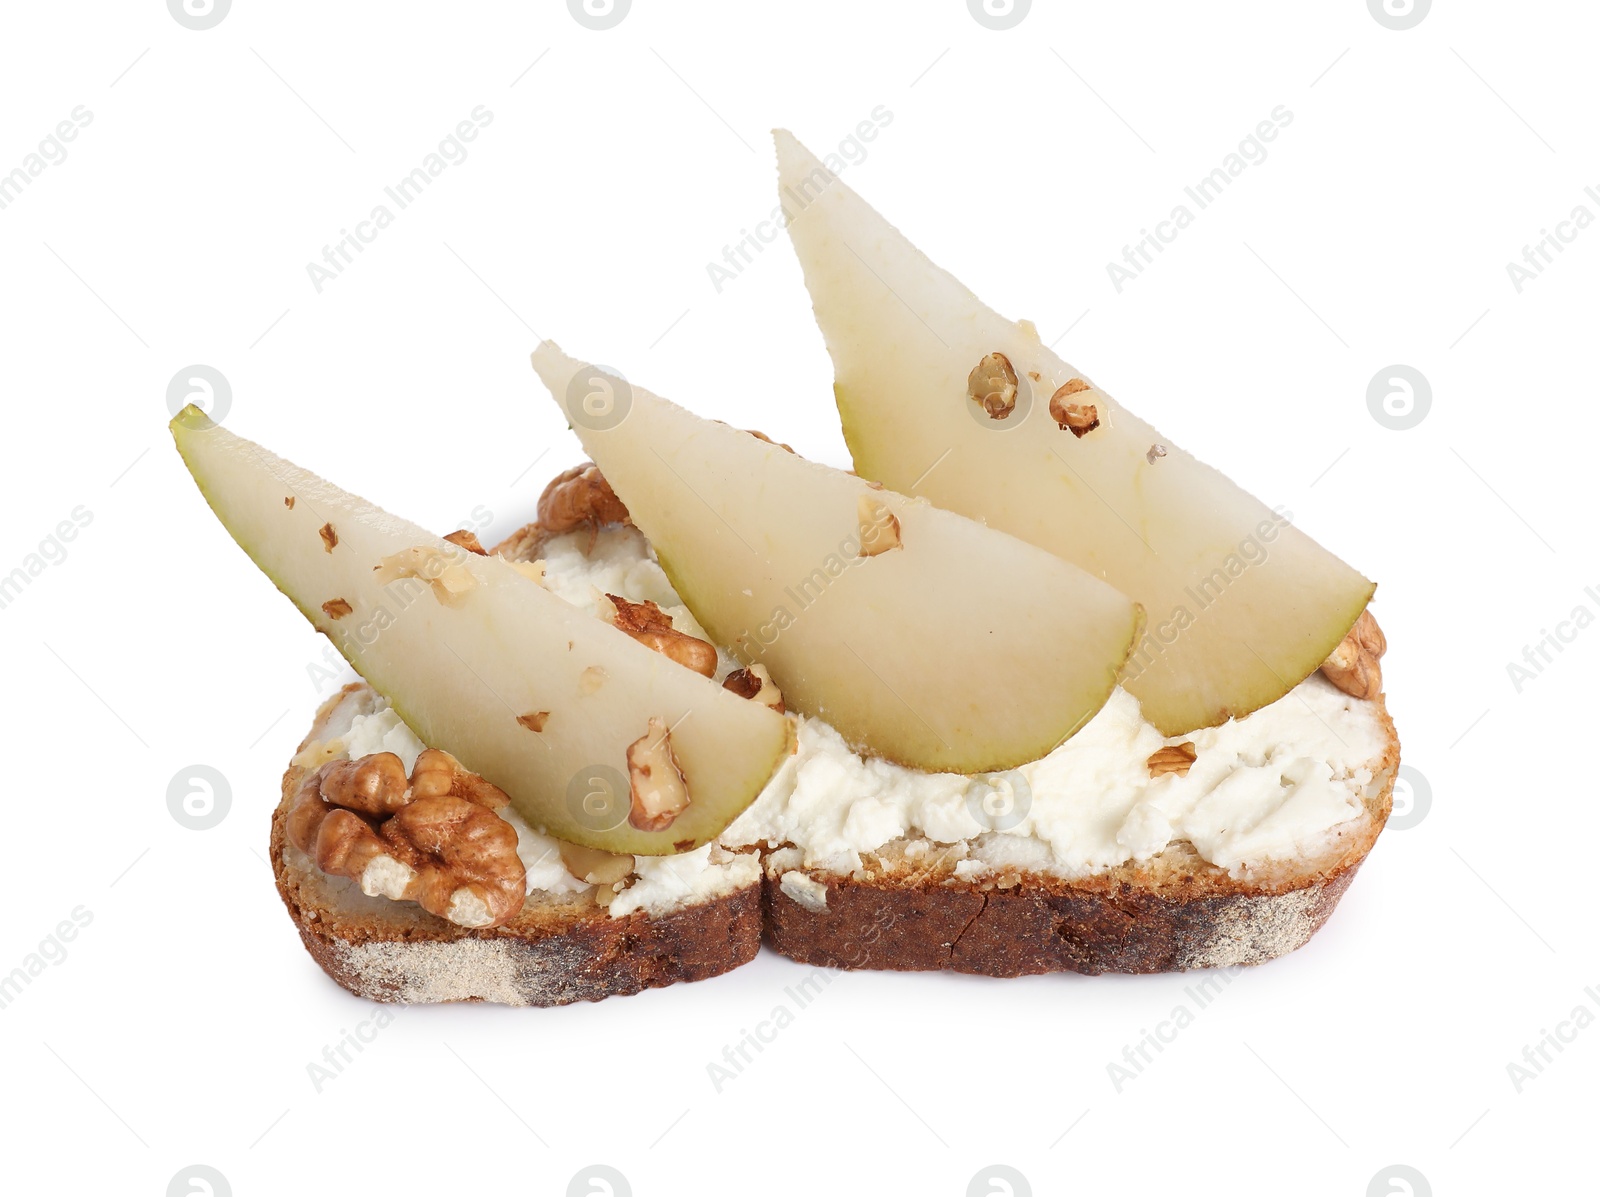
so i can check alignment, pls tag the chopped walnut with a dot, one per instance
(437, 772)
(1174, 758)
(329, 537)
(652, 627)
(579, 498)
(993, 386)
(1353, 666)
(534, 721)
(336, 608)
(445, 571)
(463, 539)
(594, 866)
(755, 682)
(464, 857)
(288, 501)
(1154, 452)
(879, 528)
(1076, 418)
(659, 792)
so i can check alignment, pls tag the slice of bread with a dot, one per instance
(561, 947)
(1171, 912)
(910, 903)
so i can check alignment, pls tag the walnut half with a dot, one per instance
(579, 498)
(439, 842)
(464, 858)
(1353, 666)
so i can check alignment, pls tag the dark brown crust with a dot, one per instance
(550, 954)
(1162, 916)
(1020, 931)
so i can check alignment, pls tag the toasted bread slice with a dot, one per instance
(911, 903)
(562, 947)
(1171, 912)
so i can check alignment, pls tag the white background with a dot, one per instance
(179, 1027)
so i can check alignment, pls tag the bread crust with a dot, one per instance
(1171, 913)
(555, 951)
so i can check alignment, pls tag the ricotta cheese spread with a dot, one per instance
(1269, 787)
(1273, 786)
(660, 884)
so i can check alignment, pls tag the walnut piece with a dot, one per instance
(437, 772)
(992, 385)
(1174, 758)
(659, 792)
(534, 721)
(755, 682)
(1353, 666)
(336, 608)
(878, 526)
(372, 785)
(343, 843)
(444, 570)
(594, 866)
(579, 498)
(288, 501)
(652, 627)
(439, 843)
(463, 539)
(1154, 452)
(464, 859)
(1076, 418)
(329, 537)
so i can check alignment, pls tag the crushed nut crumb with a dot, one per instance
(336, 608)
(1174, 758)
(329, 537)
(992, 385)
(659, 792)
(464, 539)
(756, 683)
(878, 527)
(1076, 418)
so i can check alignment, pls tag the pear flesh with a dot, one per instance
(474, 656)
(1240, 605)
(922, 636)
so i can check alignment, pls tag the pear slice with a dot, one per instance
(1241, 605)
(536, 695)
(923, 637)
